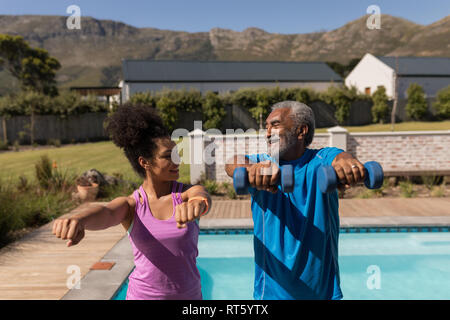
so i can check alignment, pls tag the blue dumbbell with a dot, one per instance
(241, 183)
(328, 180)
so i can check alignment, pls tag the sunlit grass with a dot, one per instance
(403, 126)
(103, 156)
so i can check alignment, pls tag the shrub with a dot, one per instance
(265, 98)
(416, 107)
(145, 98)
(256, 100)
(9, 218)
(62, 181)
(54, 142)
(407, 189)
(305, 95)
(3, 145)
(380, 109)
(167, 109)
(341, 97)
(374, 193)
(431, 181)
(438, 191)
(211, 186)
(52, 179)
(442, 104)
(65, 104)
(244, 97)
(213, 110)
(229, 189)
(22, 184)
(35, 207)
(43, 170)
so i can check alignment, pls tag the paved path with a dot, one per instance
(35, 267)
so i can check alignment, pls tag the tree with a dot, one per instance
(442, 104)
(380, 107)
(342, 69)
(33, 67)
(33, 99)
(416, 107)
(5, 102)
(341, 98)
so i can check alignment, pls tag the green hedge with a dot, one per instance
(169, 102)
(63, 105)
(256, 100)
(212, 106)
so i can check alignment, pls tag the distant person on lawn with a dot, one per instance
(295, 234)
(161, 216)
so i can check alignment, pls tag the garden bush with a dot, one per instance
(416, 107)
(442, 104)
(213, 111)
(380, 109)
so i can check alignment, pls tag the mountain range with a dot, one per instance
(91, 56)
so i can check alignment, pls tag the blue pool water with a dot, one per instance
(388, 265)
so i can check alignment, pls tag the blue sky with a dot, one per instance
(277, 16)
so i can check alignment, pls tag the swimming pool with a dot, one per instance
(383, 265)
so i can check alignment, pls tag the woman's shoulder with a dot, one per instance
(132, 198)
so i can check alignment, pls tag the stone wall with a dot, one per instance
(403, 151)
(395, 151)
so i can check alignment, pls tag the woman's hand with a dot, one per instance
(71, 229)
(189, 211)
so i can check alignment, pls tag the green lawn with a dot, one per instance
(403, 126)
(103, 156)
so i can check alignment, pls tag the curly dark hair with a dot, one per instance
(134, 128)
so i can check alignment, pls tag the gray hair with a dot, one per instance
(302, 115)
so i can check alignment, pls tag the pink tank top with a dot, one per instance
(164, 255)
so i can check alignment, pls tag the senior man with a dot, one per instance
(295, 234)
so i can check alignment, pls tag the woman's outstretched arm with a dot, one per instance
(95, 218)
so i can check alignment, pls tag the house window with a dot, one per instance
(367, 90)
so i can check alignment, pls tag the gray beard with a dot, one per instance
(278, 150)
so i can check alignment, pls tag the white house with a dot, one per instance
(222, 76)
(431, 73)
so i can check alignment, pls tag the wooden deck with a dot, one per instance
(35, 267)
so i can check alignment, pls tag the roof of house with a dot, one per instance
(419, 66)
(226, 71)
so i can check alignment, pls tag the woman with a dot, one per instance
(161, 216)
